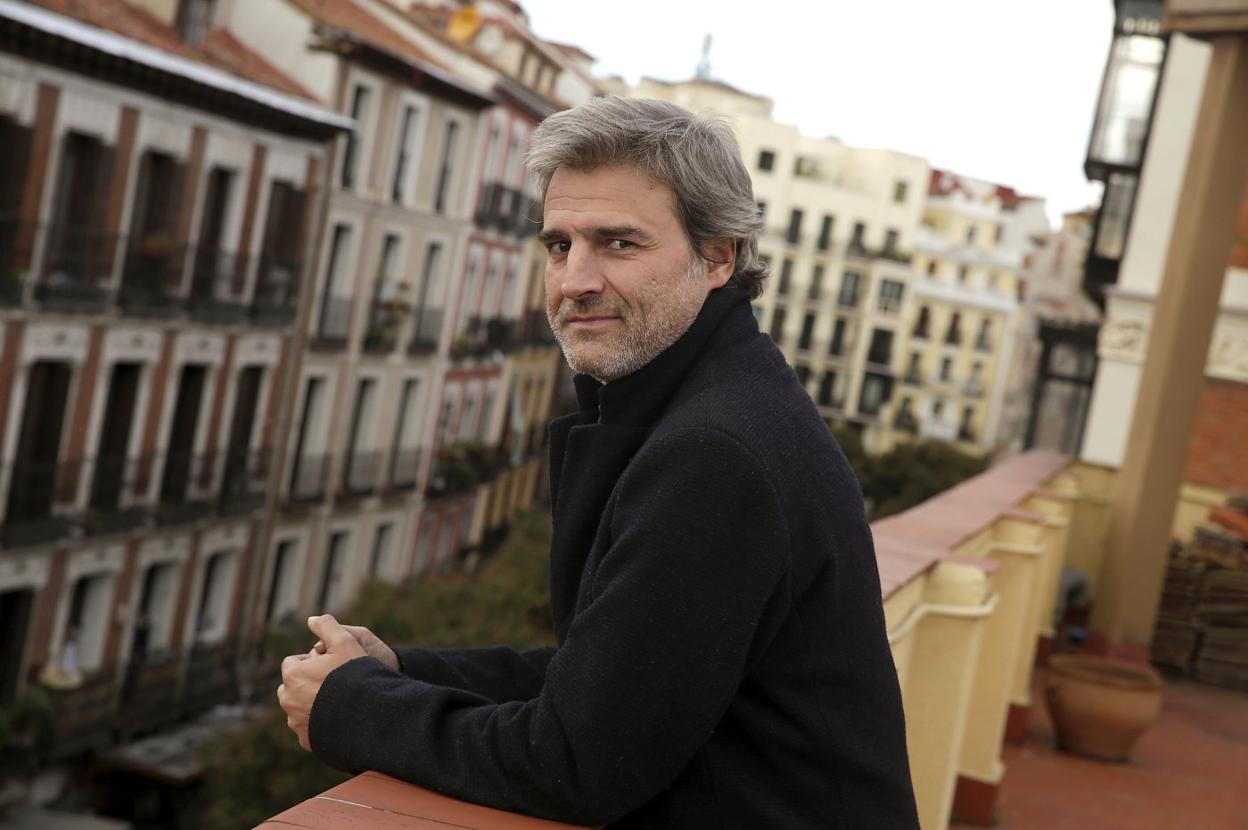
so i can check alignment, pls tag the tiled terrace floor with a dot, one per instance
(1189, 772)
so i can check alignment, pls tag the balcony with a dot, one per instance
(426, 331)
(508, 211)
(535, 329)
(482, 337)
(461, 467)
(404, 470)
(913, 378)
(107, 495)
(308, 479)
(86, 271)
(360, 474)
(151, 278)
(276, 294)
(333, 324)
(217, 284)
(385, 318)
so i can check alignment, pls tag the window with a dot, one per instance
(975, 384)
(777, 324)
(1126, 100)
(762, 211)
(913, 372)
(82, 643)
(998, 234)
(350, 154)
(858, 242)
(875, 392)
(946, 369)
(938, 408)
(964, 273)
(881, 350)
(405, 462)
(827, 387)
(837, 346)
(891, 292)
(900, 188)
(825, 232)
(954, 335)
(379, 565)
(815, 290)
(766, 160)
(848, 297)
(335, 304)
(803, 374)
(982, 340)
(794, 235)
(1115, 215)
(786, 277)
(279, 603)
(332, 575)
(403, 156)
(387, 281)
(808, 331)
(212, 617)
(449, 140)
(153, 628)
(360, 466)
(970, 235)
(306, 471)
(932, 267)
(892, 239)
(922, 324)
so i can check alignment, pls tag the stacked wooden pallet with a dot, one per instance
(1202, 626)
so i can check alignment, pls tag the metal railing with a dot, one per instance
(404, 469)
(426, 330)
(333, 324)
(384, 321)
(484, 336)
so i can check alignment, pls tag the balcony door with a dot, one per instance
(15, 616)
(182, 429)
(78, 252)
(32, 486)
(238, 464)
(114, 440)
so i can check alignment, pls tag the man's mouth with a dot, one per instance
(590, 322)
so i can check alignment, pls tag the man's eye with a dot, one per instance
(619, 245)
(558, 247)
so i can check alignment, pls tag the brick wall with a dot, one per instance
(1218, 455)
(1239, 254)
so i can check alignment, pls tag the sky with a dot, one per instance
(995, 89)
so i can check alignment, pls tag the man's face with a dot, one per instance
(622, 283)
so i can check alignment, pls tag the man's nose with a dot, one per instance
(582, 274)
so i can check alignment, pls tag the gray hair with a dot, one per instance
(696, 156)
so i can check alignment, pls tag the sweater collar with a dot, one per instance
(636, 399)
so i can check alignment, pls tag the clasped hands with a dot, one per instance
(303, 674)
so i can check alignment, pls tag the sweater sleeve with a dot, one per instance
(499, 673)
(647, 668)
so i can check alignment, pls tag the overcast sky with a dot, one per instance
(997, 89)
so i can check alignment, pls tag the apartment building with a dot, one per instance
(839, 225)
(160, 185)
(959, 344)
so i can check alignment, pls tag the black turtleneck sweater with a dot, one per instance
(721, 658)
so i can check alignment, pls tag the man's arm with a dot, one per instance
(645, 673)
(499, 673)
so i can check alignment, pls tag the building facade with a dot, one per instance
(161, 184)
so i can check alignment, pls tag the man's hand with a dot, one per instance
(370, 642)
(303, 674)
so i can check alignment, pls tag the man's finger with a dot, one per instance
(319, 648)
(281, 695)
(331, 632)
(290, 662)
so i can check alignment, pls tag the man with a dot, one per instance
(721, 658)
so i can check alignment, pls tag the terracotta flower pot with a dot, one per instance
(1100, 707)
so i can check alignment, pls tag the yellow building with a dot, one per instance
(963, 318)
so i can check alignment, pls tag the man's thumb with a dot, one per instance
(330, 631)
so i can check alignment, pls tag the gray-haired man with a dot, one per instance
(721, 657)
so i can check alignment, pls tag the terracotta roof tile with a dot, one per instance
(220, 49)
(345, 15)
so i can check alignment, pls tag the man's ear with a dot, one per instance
(721, 261)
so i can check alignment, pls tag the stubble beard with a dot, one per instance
(647, 328)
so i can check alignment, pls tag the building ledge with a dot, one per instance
(380, 802)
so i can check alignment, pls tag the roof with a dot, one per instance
(946, 183)
(220, 49)
(571, 49)
(135, 47)
(348, 21)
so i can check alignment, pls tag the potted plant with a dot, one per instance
(1100, 706)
